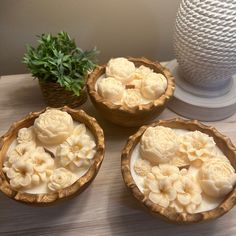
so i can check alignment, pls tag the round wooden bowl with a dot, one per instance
(169, 214)
(75, 188)
(138, 115)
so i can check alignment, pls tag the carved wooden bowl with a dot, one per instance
(169, 214)
(141, 114)
(77, 187)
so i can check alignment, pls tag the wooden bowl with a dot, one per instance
(138, 115)
(169, 214)
(75, 188)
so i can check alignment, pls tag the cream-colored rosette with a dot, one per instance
(77, 150)
(27, 166)
(60, 179)
(53, 127)
(26, 135)
(121, 69)
(132, 98)
(111, 89)
(153, 85)
(158, 144)
(197, 147)
(217, 177)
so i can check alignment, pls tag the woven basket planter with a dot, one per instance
(56, 96)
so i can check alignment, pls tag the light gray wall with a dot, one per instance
(116, 27)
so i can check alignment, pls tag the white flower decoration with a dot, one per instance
(217, 177)
(20, 150)
(111, 89)
(53, 126)
(132, 98)
(26, 135)
(141, 73)
(43, 164)
(188, 194)
(197, 146)
(121, 69)
(160, 192)
(21, 173)
(76, 151)
(142, 167)
(60, 179)
(153, 86)
(158, 144)
(165, 171)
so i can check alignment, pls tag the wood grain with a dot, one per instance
(106, 207)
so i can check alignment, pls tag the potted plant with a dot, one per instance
(61, 68)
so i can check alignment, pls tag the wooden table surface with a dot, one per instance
(105, 207)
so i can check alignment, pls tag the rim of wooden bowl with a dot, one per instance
(156, 66)
(75, 188)
(169, 214)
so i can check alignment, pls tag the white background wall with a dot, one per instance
(116, 27)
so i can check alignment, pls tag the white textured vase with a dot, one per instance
(205, 42)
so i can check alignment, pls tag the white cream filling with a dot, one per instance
(42, 188)
(207, 204)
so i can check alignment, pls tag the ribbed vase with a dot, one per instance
(205, 42)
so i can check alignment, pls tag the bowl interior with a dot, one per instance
(80, 184)
(169, 214)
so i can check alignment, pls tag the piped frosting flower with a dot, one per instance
(60, 179)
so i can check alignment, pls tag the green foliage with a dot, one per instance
(57, 59)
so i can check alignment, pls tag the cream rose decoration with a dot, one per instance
(121, 69)
(60, 179)
(26, 135)
(197, 147)
(53, 126)
(76, 151)
(217, 177)
(153, 86)
(111, 89)
(158, 144)
(141, 73)
(132, 98)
